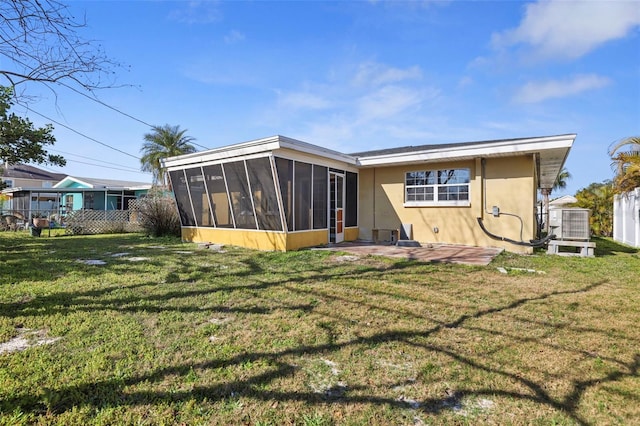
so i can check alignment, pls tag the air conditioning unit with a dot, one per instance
(570, 223)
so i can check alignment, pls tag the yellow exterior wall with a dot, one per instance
(260, 240)
(351, 234)
(510, 185)
(298, 240)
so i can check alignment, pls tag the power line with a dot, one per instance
(106, 105)
(88, 158)
(119, 111)
(107, 167)
(97, 165)
(83, 135)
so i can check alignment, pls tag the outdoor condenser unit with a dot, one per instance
(570, 223)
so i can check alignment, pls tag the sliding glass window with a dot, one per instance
(263, 190)
(179, 186)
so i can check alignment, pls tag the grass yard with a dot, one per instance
(166, 333)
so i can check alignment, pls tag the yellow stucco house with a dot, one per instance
(279, 193)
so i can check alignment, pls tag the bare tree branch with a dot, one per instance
(40, 41)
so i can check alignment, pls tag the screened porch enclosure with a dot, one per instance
(267, 193)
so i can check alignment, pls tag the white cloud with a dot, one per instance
(372, 74)
(534, 92)
(570, 29)
(304, 100)
(387, 102)
(234, 37)
(197, 12)
(368, 102)
(465, 81)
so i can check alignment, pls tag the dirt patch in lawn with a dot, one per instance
(26, 339)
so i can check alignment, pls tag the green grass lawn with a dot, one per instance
(166, 333)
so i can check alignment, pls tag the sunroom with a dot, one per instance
(271, 194)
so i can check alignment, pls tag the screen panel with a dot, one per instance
(263, 191)
(220, 207)
(302, 196)
(284, 168)
(181, 193)
(238, 187)
(320, 197)
(351, 207)
(195, 181)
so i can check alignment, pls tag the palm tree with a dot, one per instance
(560, 183)
(626, 163)
(163, 141)
(561, 180)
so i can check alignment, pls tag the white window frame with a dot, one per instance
(435, 187)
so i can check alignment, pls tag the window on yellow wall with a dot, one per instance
(445, 187)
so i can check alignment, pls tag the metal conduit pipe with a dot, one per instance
(496, 213)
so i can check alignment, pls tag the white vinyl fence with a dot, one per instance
(626, 218)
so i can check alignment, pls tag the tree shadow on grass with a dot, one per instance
(118, 392)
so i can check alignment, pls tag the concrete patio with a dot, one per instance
(444, 253)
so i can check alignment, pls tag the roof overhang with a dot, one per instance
(270, 144)
(70, 190)
(551, 153)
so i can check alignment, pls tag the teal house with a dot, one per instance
(73, 194)
(97, 194)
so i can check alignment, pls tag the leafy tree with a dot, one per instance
(163, 141)
(39, 42)
(20, 141)
(626, 161)
(598, 197)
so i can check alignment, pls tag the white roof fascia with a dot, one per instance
(272, 143)
(224, 153)
(317, 150)
(53, 190)
(323, 161)
(483, 149)
(71, 178)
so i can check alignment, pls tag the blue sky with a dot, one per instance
(354, 76)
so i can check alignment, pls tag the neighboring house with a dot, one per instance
(15, 175)
(72, 194)
(564, 201)
(556, 203)
(279, 193)
(98, 194)
(626, 218)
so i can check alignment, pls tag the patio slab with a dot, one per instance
(444, 253)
